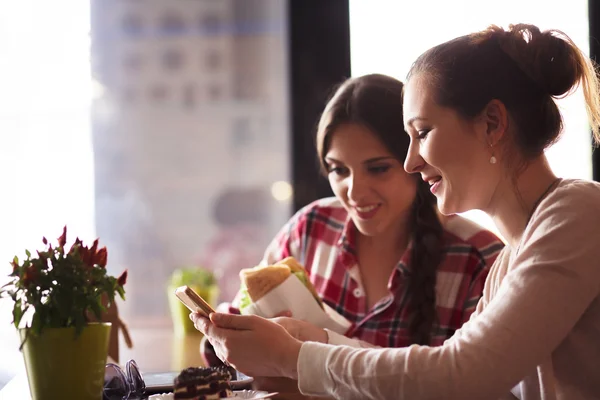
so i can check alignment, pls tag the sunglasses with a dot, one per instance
(123, 385)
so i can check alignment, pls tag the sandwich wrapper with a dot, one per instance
(292, 295)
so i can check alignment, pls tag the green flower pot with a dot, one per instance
(60, 366)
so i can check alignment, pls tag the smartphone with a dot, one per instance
(193, 301)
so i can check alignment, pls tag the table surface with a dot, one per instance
(156, 350)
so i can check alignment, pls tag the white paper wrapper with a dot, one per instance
(294, 296)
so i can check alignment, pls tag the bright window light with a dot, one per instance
(46, 159)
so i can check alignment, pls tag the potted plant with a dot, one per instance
(57, 295)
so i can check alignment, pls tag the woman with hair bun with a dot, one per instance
(480, 112)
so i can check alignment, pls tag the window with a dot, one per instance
(46, 159)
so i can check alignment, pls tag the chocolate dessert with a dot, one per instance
(203, 383)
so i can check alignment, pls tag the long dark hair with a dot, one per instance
(375, 102)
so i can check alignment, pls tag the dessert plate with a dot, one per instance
(237, 394)
(163, 382)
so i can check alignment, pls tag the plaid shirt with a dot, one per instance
(322, 237)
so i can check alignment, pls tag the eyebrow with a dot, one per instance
(369, 161)
(413, 119)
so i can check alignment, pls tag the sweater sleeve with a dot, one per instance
(475, 290)
(532, 308)
(339, 339)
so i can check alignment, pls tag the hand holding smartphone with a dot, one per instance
(193, 301)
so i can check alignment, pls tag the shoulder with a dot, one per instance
(563, 234)
(574, 192)
(323, 219)
(470, 242)
(315, 225)
(328, 210)
(574, 205)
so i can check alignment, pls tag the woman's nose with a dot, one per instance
(356, 187)
(413, 162)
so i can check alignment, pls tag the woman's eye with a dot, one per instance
(379, 169)
(422, 134)
(338, 170)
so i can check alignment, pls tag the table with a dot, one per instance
(154, 350)
(158, 350)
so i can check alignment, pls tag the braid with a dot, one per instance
(426, 256)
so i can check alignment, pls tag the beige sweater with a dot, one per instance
(536, 329)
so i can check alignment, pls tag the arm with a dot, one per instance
(487, 253)
(524, 321)
(475, 291)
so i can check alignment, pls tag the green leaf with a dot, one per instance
(17, 313)
(28, 253)
(244, 298)
(121, 292)
(27, 333)
(97, 309)
(36, 323)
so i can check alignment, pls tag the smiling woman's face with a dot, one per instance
(369, 181)
(451, 153)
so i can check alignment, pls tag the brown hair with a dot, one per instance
(522, 67)
(375, 102)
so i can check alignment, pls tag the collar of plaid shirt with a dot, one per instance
(347, 247)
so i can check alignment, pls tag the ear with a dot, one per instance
(495, 117)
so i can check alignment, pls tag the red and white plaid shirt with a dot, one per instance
(321, 236)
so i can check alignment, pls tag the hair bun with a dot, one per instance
(547, 57)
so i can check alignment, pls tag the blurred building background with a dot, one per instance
(192, 121)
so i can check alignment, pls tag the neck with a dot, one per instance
(390, 243)
(514, 201)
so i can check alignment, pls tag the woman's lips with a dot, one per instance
(367, 212)
(435, 184)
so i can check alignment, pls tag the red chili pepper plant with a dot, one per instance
(61, 288)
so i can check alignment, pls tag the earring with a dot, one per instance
(493, 159)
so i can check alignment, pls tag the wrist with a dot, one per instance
(289, 363)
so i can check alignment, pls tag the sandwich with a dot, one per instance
(260, 280)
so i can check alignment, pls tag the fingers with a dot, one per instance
(232, 321)
(286, 313)
(201, 323)
(286, 322)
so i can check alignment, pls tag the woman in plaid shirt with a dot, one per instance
(379, 253)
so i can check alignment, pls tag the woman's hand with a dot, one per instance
(251, 344)
(302, 330)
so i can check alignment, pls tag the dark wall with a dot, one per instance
(319, 59)
(594, 15)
